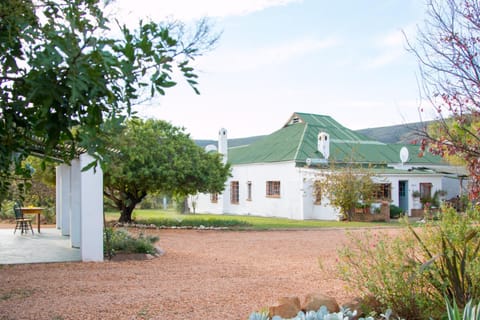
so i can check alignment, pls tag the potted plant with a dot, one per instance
(416, 199)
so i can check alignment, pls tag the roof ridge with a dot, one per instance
(301, 142)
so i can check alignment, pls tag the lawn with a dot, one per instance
(172, 218)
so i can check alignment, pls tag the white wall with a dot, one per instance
(204, 205)
(322, 211)
(288, 205)
(414, 181)
(325, 212)
(453, 188)
(296, 200)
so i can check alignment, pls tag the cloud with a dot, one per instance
(255, 58)
(391, 47)
(383, 59)
(191, 9)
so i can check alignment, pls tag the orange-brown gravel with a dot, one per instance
(203, 275)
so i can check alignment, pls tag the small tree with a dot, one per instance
(345, 187)
(154, 156)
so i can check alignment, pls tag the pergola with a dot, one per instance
(79, 197)
(79, 206)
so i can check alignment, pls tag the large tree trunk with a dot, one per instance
(121, 198)
(126, 213)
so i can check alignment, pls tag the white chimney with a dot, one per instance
(223, 144)
(324, 144)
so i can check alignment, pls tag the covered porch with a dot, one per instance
(78, 233)
(47, 246)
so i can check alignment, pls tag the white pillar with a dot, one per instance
(75, 203)
(58, 197)
(91, 235)
(65, 199)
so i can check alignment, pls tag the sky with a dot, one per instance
(345, 59)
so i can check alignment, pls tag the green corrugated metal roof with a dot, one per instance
(297, 141)
(281, 145)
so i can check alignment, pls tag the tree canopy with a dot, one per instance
(447, 48)
(62, 75)
(154, 156)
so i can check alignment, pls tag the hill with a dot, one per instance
(404, 133)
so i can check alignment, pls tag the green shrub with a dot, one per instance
(152, 201)
(181, 205)
(395, 212)
(380, 268)
(451, 251)
(121, 241)
(49, 215)
(6, 212)
(412, 273)
(108, 250)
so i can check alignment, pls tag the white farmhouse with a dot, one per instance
(274, 175)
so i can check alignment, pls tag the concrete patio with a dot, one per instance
(47, 246)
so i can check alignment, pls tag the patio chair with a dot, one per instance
(22, 223)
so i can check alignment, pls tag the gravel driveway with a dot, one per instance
(203, 275)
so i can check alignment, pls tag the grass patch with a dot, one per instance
(171, 218)
(16, 294)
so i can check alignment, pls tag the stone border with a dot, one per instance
(152, 226)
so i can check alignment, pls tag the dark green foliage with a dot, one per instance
(395, 212)
(61, 76)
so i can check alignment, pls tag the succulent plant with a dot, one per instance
(320, 314)
(259, 316)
